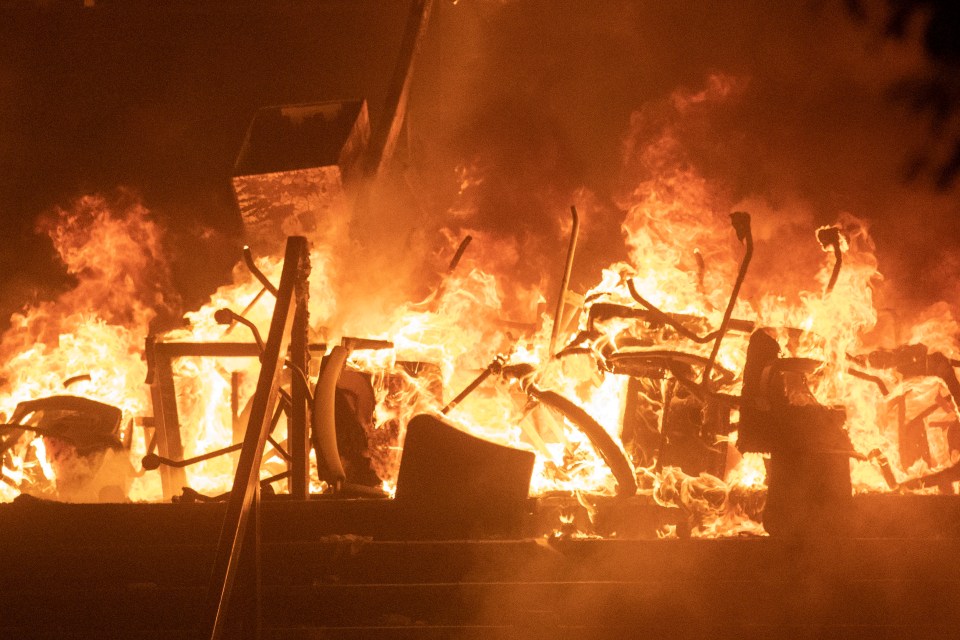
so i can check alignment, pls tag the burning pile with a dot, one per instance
(676, 377)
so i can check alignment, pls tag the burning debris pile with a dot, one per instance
(675, 380)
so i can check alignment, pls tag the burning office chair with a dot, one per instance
(84, 445)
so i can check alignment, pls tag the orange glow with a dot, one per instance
(683, 259)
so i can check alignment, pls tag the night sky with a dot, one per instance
(153, 98)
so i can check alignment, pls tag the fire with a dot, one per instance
(94, 333)
(684, 258)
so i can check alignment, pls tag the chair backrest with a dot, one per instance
(453, 484)
(86, 424)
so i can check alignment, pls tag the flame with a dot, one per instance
(95, 330)
(683, 258)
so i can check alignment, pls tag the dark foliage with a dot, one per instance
(932, 93)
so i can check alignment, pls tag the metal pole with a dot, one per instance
(565, 282)
(298, 431)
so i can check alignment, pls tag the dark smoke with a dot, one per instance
(541, 96)
(535, 97)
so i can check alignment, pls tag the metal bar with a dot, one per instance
(829, 237)
(497, 363)
(207, 349)
(701, 270)
(236, 425)
(663, 318)
(459, 254)
(278, 449)
(741, 223)
(152, 461)
(242, 495)
(863, 375)
(565, 282)
(246, 309)
(259, 275)
(83, 377)
(230, 317)
(298, 425)
(163, 393)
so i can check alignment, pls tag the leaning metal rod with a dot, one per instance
(459, 254)
(244, 493)
(152, 461)
(192, 495)
(567, 270)
(278, 449)
(741, 223)
(497, 363)
(830, 237)
(441, 289)
(667, 320)
(248, 260)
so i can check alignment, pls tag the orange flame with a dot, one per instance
(683, 258)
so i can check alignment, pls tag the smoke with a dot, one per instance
(782, 111)
(531, 100)
(96, 329)
(117, 256)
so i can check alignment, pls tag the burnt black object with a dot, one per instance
(453, 485)
(808, 474)
(690, 438)
(80, 435)
(86, 424)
